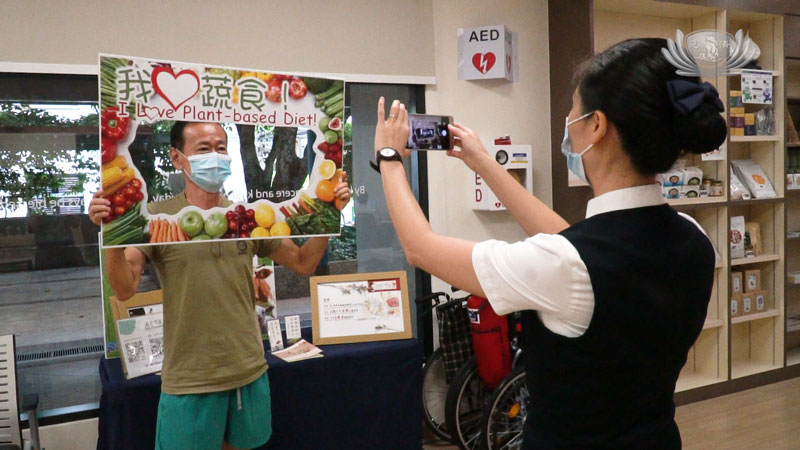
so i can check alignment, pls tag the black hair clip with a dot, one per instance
(687, 96)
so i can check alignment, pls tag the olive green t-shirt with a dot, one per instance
(211, 340)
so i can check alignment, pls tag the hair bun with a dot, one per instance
(702, 130)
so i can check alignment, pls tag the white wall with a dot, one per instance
(492, 108)
(329, 36)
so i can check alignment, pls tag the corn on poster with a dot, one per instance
(278, 160)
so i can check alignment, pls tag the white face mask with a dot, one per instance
(209, 170)
(574, 160)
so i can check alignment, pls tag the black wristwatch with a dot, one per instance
(385, 154)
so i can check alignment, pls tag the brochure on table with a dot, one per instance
(360, 308)
(284, 137)
(142, 343)
(264, 282)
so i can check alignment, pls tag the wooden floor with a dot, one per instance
(767, 417)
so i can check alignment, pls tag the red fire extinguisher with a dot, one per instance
(489, 341)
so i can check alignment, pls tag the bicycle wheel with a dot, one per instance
(434, 393)
(504, 415)
(463, 406)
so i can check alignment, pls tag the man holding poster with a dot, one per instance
(215, 392)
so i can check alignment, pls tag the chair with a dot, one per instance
(10, 431)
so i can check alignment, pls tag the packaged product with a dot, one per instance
(752, 280)
(738, 189)
(737, 237)
(754, 177)
(748, 304)
(753, 244)
(736, 282)
(736, 305)
(692, 176)
(761, 301)
(692, 191)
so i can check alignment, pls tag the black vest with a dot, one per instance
(652, 273)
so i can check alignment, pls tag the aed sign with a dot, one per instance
(487, 52)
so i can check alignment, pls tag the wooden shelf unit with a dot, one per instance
(792, 297)
(750, 345)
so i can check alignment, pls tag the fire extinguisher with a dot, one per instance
(489, 341)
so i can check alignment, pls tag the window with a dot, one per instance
(48, 258)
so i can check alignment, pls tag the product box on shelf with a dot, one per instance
(672, 177)
(671, 192)
(692, 176)
(748, 303)
(737, 237)
(752, 239)
(688, 191)
(752, 280)
(793, 277)
(760, 301)
(736, 283)
(736, 305)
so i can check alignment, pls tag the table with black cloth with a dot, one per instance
(358, 396)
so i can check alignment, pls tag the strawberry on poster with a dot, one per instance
(136, 94)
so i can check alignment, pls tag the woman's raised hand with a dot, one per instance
(471, 149)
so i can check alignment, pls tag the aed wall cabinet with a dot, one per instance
(518, 161)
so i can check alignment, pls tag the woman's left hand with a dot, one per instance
(342, 190)
(392, 131)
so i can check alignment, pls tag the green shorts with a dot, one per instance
(241, 417)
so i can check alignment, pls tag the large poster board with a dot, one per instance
(284, 139)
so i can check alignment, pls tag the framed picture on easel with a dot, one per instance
(362, 307)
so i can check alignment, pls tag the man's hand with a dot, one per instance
(342, 192)
(392, 131)
(99, 208)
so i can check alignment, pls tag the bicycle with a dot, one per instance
(434, 381)
(464, 405)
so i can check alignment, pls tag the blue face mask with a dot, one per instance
(209, 170)
(574, 160)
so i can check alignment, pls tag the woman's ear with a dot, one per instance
(599, 126)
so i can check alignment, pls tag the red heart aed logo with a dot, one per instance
(483, 61)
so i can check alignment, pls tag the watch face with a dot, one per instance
(388, 152)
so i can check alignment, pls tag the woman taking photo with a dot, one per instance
(612, 304)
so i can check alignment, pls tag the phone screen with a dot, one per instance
(429, 132)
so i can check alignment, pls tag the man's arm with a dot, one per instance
(123, 265)
(302, 260)
(124, 270)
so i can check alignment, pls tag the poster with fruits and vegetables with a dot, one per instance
(285, 140)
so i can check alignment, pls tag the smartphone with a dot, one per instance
(429, 132)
